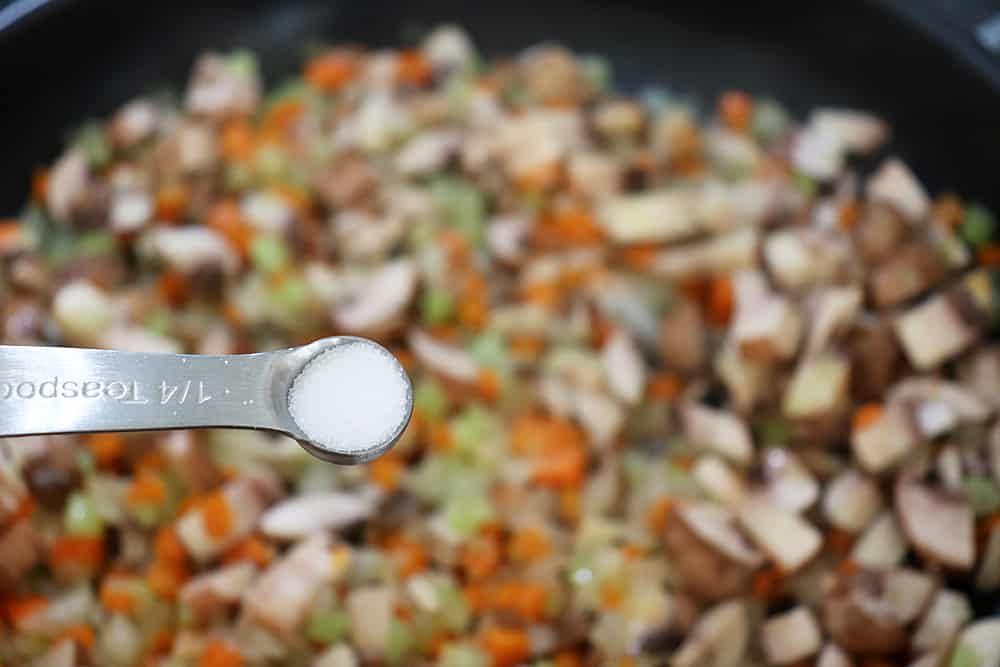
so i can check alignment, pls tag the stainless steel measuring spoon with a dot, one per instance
(48, 390)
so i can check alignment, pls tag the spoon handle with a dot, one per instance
(67, 390)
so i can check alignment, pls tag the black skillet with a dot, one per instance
(916, 62)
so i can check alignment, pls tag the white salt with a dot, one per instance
(351, 398)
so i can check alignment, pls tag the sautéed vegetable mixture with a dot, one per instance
(693, 388)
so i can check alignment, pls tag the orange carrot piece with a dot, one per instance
(736, 110)
(412, 68)
(848, 214)
(767, 584)
(839, 541)
(114, 598)
(480, 557)
(76, 552)
(253, 549)
(529, 545)
(332, 70)
(989, 255)
(947, 211)
(106, 448)
(568, 659)
(146, 489)
(664, 386)
(612, 596)
(387, 472)
(561, 468)
(659, 514)
(409, 555)
(569, 505)
(217, 514)
(171, 202)
(166, 578)
(532, 434)
(173, 288)
(226, 219)
(19, 609)
(439, 437)
(720, 301)
(866, 415)
(525, 599)
(40, 186)
(489, 385)
(640, 257)
(236, 141)
(507, 646)
(220, 654)
(81, 633)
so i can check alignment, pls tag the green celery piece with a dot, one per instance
(269, 253)
(91, 140)
(460, 205)
(769, 120)
(983, 495)
(489, 349)
(437, 305)
(328, 626)
(429, 399)
(978, 225)
(400, 642)
(463, 655)
(964, 656)
(80, 516)
(465, 514)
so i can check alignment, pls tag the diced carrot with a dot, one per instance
(736, 110)
(539, 178)
(659, 514)
(146, 489)
(226, 219)
(436, 645)
(767, 584)
(25, 508)
(114, 597)
(568, 659)
(173, 287)
(527, 348)
(81, 633)
(40, 186)
(664, 386)
(507, 646)
(19, 609)
(839, 541)
(640, 257)
(166, 578)
(526, 599)
(633, 552)
(611, 596)
(989, 255)
(488, 384)
(279, 119)
(476, 597)
(217, 515)
(168, 547)
(720, 301)
(696, 288)
(253, 549)
(439, 437)
(848, 214)
(387, 472)
(866, 415)
(569, 505)
(74, 553)
(567, 229)
(473, 311)
(332, 70)
(531, 434)
(412, 68)
(561, 468)
(529, 545)
(106, 448)
(848, 567)
(544, 294)
(947, 211)
(171, 202)
(11, 234)
(237, 141)
(162, 642)
(480, 557)
(627, 661)
(220, 654)
(408, 554)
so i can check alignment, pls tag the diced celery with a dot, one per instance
(454, 609)
(978, 225)
(430, 480)
(805, 184)
(80, 516)
(293, 293)
(271, 162)
(466, 513)
(159, 322)
(436, 305)
(237, 177)
(983, 495)
(769, 120)
(489, 349)
(964, 656)
(429, 399)
(460, 205)
(90, 139)
(269, 253)
(400, 642)
(772, 430)
(96, 244)
(327, 625)
(597, 71)
(463, 655)
(472, 427)
(243, 63)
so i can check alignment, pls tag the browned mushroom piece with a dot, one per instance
(767, 331)
(858, 616)
(683, 338)
(348, 181)
(133, 123)
(882, 545)
(444, 359)
(879, 233)
(382, 300)
(21, 548)
(818, 390)
(790, 637)
(910, 272)
(876, 358)
(851, 500)
(718, 639)
(980, 373)
(946, 614)
(712, 557)
(787, 539)
(717, 430)
(833, 656)
(894, 184)
(213, 593)
(886, 441)
(934, 332)
(939, 524)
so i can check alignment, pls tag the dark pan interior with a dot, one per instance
(71, 60)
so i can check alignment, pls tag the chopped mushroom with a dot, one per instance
(858, 617)
(718, 639)
(768, 330)
(712, 557)
(833, 656)
(725, 253)
(649, 218)
(719, 480)
(683, 337)
(938, 405)
(281, 596)
(297, 518)
(980, 373)
(858, 131)
(21, 548)
(895, 184)
(911, 271)
(447, 360)
(219, 86)
(947, 613)
(789, 540)
(938, 524)
(381, 302)
(886, 441)
(791, 636)
(719, 431)
(188, 249)
(213, 592)
(833, 313)
(67, 184)
(818, 389)
(882, 545)
(851, 501)
(506, 237)
(624, 368)
(243, 500)
(371, 611)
